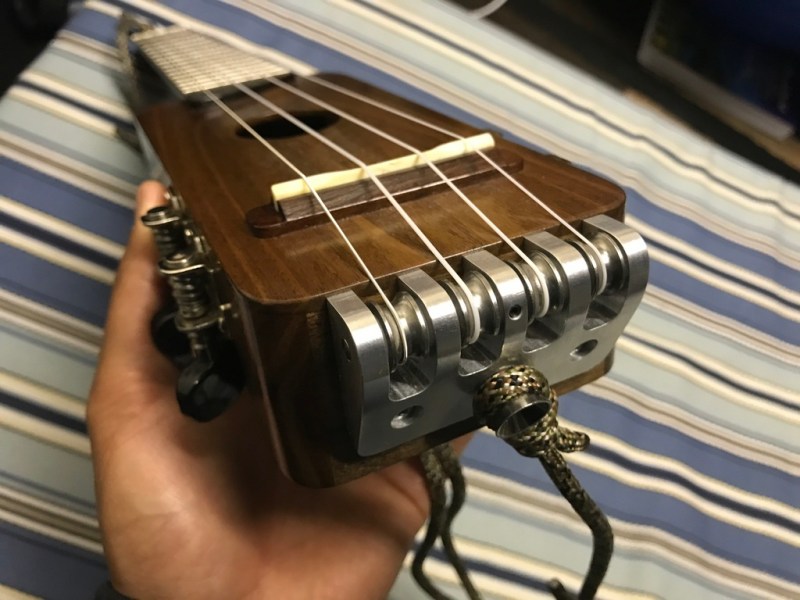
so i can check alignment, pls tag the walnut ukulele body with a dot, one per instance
(278, 272)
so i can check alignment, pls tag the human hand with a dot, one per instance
(196, 511)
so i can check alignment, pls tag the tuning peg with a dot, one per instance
(208, 385)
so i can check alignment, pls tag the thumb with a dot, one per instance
(137, 292)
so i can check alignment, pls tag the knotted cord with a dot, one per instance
(519, 405)
(441, 465)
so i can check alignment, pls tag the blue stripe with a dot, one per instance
(714, 375)
(47, 568)
(691, 232)
(120, 123)
(94, 150)
(597, 413)
(703, 294)
(43, 413)
(646, 508)
(100, 26)
(636, 558)
(64, 201)
(663, 474)
(69, 246)
(727, 276)
(54, 286)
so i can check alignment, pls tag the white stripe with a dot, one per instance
(688, 497)
(731, 287)
(487, 9)
(730, 329)
(490, 587)
(87, 48)
(536, 569)
(708, 382)
(80, 96)
(63, 111)
(46, 432)
(49, 334)
(42, 395)
(716, 221)
(49, 509)
(68, 170)
(706, 258)
(677, 326)
(61, 228)
(707, 432)
(736, 376)
(655, 461)
(50, 532)
(531, 503)
(55, 256)
(49, 317)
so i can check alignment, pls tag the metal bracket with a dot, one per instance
(388, 404)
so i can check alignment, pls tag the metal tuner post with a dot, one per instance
(189, 329)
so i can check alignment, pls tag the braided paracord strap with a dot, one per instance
(519, 405)
(441, 464)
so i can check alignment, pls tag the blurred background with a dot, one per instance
(729, 69)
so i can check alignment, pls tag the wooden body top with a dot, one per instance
(222, 173)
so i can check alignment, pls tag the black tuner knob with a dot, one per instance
(207, 387)
(167, 339)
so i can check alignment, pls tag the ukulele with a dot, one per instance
(358, 263)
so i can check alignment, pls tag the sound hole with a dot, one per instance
(276, 127)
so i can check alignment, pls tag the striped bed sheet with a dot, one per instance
(695, 449)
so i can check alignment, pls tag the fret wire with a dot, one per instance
(435, 168)
(362, 265)
(601, 268)
(474, 327)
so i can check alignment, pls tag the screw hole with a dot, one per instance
(515, 312)
(406, 417)
(582, 350)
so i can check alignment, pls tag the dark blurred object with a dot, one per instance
(41, 17)
(737, 71)
(25, 28)
(602, 37)
(773, 23)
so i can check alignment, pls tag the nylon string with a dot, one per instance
(362, 265)
(601, 269)
(473, 316)
(449, 182)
